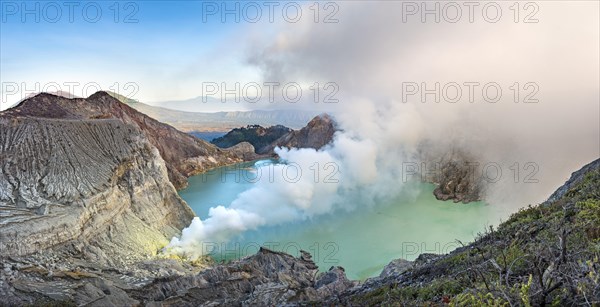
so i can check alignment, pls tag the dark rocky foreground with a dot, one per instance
(267, 278)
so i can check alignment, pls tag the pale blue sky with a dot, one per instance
(165, 47)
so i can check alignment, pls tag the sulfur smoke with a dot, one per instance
(371, 52)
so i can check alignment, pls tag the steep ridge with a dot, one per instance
(78, 195)
(184, 154)
(96, 185)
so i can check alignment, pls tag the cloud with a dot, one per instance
(371, 54)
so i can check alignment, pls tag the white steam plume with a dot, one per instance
(371, 52)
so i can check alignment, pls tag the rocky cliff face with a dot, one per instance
(79, 193)
(98, 186)
(184, 154)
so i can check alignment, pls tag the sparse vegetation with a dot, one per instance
(542, 255)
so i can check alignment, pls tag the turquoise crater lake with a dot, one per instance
(362, 241)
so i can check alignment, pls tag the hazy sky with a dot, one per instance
(162, 46)
(167, 50)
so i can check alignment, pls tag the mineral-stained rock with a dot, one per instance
(97, 184)
(244, 150)
(80, 197)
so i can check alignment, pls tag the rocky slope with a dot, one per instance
(184, 154)
(63, 180)
(89, 191)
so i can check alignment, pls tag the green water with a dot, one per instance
(362, 241)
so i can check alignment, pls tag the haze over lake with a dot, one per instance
(362, 241)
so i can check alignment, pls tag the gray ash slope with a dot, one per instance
(97, 185)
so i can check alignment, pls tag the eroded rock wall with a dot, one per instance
(98, 185)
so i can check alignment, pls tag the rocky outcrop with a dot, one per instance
(317, 133)
(184, 154)
(455, 172)
(244, 150)
(256, 135)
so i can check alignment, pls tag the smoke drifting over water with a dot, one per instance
(373, 55)
(309, 183)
